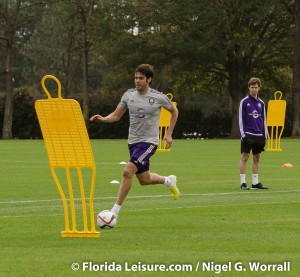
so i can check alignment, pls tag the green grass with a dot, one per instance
(213, 221)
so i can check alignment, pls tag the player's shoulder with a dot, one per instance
(245, 99)
(159, 95)
(260, 100)
(130, 91)
(128, 94)
(155, 92)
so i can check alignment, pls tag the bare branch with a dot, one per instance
(4, 38)
(31, 5)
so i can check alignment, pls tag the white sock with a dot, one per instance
(255, 179)
(243, 178)
(116, 209)
(168, 181)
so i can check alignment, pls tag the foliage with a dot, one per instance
(206, 48)
(53, 48)
(210, 124)
(202, 115)
(197, 46)
(21, 19)
(17, 22)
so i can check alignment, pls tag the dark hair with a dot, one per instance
(254, 81)
(145, 69)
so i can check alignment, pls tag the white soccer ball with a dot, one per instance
(106, 219)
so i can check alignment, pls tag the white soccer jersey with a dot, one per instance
(144, 114)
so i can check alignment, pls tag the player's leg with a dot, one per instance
(148, 178)
(125, 186)
(245, 152)
(255, 163)
(257, 148)
(243, 162)
(141, 157)
(139, 162)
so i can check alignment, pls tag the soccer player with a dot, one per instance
(252, 124)
(144, 105)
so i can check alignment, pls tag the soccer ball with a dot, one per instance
(106, 219)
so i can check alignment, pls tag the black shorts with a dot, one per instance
(254, 143)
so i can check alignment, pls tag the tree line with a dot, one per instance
(204, 53)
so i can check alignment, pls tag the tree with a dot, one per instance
(225, 42)
(53, 48)
(85, 10)
(293, 7)
(296, 72)
(257, 50)
(245, 39)
(17, 19)
(61, 46)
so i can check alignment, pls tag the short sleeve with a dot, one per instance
(165, 102)
(123, 102)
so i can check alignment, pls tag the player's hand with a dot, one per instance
(168, 141)
(97, 118)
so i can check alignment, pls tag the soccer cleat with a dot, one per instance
(259, 186)
(115, 213)
(244, 186)
(173, 188)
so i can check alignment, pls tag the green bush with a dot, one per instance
(194, 122)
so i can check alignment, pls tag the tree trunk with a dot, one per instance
(67, 63)
(85, 53)
(8, 112)
(296, 74)
(85, 77)
(237, 83)
(236, 95)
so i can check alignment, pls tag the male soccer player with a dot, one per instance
(252, 124)
(144, 105)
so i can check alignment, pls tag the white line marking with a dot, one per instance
(218, 205)
(170, 208)
(152, 196)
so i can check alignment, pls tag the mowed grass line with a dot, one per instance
(213, 220)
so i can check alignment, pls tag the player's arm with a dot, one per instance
(116, 115)
(241, 118)
(265, 132)
(168, 136)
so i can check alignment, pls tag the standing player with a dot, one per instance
(252, 124)
(144, 105)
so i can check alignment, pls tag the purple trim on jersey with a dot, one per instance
(252, 117)
(140, 154)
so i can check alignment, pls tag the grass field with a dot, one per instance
(213, 223)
